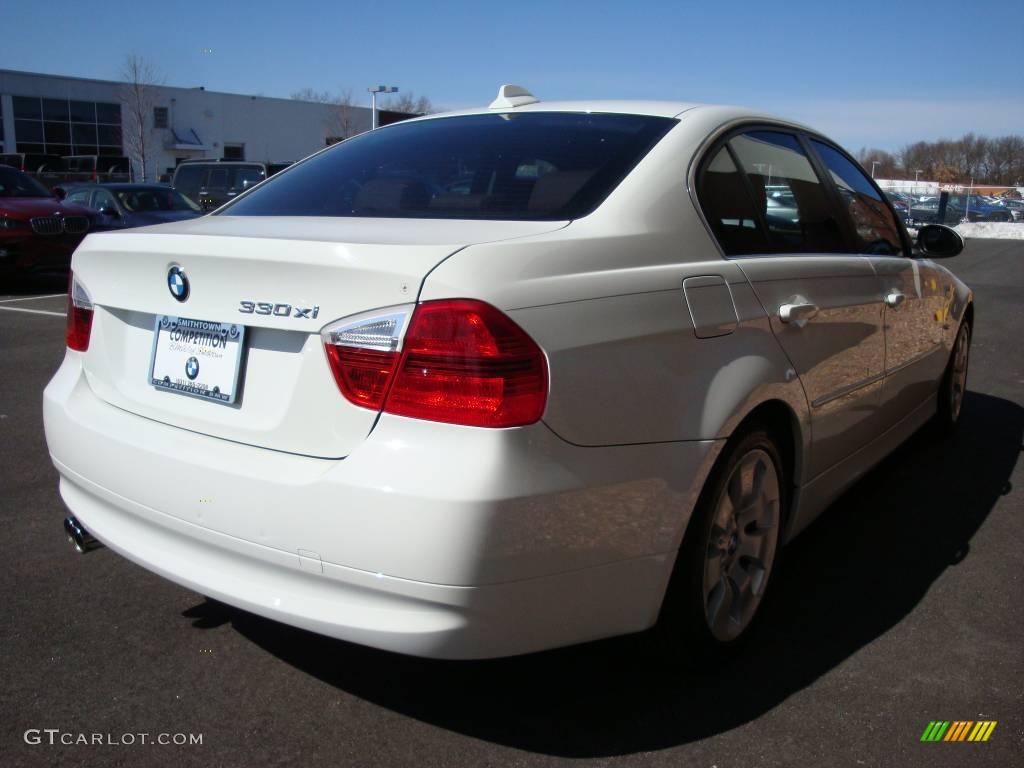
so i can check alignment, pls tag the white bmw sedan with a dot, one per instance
(489, 382)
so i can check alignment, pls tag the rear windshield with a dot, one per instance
(531, 166)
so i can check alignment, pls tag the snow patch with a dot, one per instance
(992, 229)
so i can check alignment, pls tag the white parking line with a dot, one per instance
(32, 311)
(32, 298)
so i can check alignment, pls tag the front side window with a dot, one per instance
(80, 197)
(789, 194)
(147, 200)
(104, 199)
(876, 229)
(526, 166)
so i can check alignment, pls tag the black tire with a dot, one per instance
(950, 399)
(684, 630)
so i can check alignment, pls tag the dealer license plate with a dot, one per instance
(197, 358)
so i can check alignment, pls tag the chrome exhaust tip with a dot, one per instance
(80, 538)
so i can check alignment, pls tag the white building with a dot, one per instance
(57, 115)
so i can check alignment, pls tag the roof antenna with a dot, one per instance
(512, 96)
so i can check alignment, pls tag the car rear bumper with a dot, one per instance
(428, 539)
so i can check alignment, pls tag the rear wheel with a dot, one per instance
(729, 551)
(954, 382)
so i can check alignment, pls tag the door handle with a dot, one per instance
(798, 312)
(894, 299)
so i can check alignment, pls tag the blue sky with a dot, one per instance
(867, 73)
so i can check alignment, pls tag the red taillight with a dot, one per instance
(363, 375)
(80, 309)
(462, 362)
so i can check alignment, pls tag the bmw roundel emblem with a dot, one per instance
(191, 367)
(177, 283)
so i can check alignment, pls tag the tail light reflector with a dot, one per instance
(458, 361)
(80, 311)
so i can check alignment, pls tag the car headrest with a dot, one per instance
(386, 195)
(554, 190)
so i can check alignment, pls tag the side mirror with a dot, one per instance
(108, 210)
(939, 240)
(59, 192)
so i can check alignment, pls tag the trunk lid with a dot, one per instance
(288, 399)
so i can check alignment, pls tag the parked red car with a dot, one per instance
(38, 232)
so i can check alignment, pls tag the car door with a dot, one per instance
(824, 304)
(913, 290)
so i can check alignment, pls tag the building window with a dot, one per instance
(160, 119)
(66, 127)
(234, 151)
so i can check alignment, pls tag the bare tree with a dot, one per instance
(341, 122)
(308, 94)
(998, 161)
(409, 103)
(138, 95)
(343, 117)
(884, 163)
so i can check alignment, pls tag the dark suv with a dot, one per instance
(211, 183)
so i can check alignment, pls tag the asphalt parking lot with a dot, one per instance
(902, 605)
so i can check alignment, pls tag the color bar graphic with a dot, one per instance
(935, 730)
(958, 730)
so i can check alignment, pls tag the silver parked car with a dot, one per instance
(483, 383)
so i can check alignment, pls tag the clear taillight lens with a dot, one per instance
(80, 311)
(458, 361)
(363, 351)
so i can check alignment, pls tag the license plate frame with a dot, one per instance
(215, 336)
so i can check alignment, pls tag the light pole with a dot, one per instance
(374, 90)
(873, 164)
(917, 175)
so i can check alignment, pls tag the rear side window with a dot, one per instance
(528, 166)
(728, 207)
(788, 193)
(870, 218)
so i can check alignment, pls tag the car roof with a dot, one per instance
(617, 106)
(721, 113)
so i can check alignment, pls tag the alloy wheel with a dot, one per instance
(958, 376)
(741, 546)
